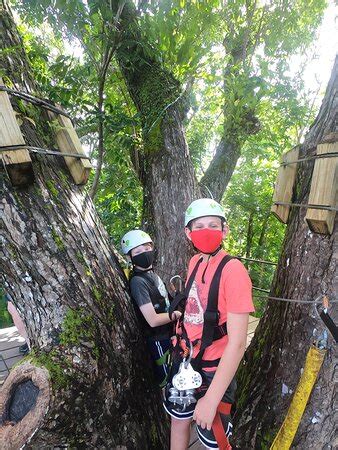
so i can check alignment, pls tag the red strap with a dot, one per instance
(217, 426)
(224, 408)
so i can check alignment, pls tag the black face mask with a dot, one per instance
(144, 259)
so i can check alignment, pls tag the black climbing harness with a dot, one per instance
(212, 330)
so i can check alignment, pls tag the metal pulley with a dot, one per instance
(185, 383)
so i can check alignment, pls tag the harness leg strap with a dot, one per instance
(217, 426)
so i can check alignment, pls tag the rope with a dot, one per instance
(300, 205)
(34, 100)
(260, 289)
(257, 260)
(310, 158)
(293, 300)
(40, 151)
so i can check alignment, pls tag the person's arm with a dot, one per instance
(237, 326)
(154, 319)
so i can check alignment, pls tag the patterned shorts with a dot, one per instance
(206, 437)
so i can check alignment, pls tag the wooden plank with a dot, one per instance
(324, 187)
(18, 164)
(69, 142)
(11, 352)
(196, 443)
(193, 434)
(284, 185)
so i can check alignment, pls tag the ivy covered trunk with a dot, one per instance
(164, 167)
(87, 370)
(307, 268)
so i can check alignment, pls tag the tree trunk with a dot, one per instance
(307, 268)
(167, 174)
(91, 381)
(166, 171)
(221, 168)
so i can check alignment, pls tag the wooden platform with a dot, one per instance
(10, 341)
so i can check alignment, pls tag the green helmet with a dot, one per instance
(133, 239)
(201, 208)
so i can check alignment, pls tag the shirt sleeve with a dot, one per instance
(237, 288)
(139, 291)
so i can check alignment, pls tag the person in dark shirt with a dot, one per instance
(151, 297)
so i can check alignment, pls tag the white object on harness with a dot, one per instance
(187, 378)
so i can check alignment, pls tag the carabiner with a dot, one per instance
(180, 283)
(191, 351)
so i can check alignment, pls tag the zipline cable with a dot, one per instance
(281, 299)
(35, 100)
(310, 158)
(301, 205)
(293, 300)
(40, 151)
(257, 260)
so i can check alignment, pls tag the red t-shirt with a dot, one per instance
(235, 296)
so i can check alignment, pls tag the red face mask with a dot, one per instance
(206, 240)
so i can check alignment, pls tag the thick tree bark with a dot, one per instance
(165, 168)
(307, 268)
(94, 383)
(223, 164)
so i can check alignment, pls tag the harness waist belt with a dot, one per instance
(219, 332)
(210, 363)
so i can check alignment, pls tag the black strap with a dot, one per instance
(220, 331)
(211, 314)
(332, 327)
(192, 277)
(181, 297)
(210, 363)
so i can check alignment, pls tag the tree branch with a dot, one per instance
(219, 172)
(108, 54)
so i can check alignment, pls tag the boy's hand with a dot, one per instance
(176, 315)
(205, 412)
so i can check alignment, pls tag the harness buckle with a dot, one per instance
(212, 317)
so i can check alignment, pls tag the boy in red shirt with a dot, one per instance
(205, 228)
